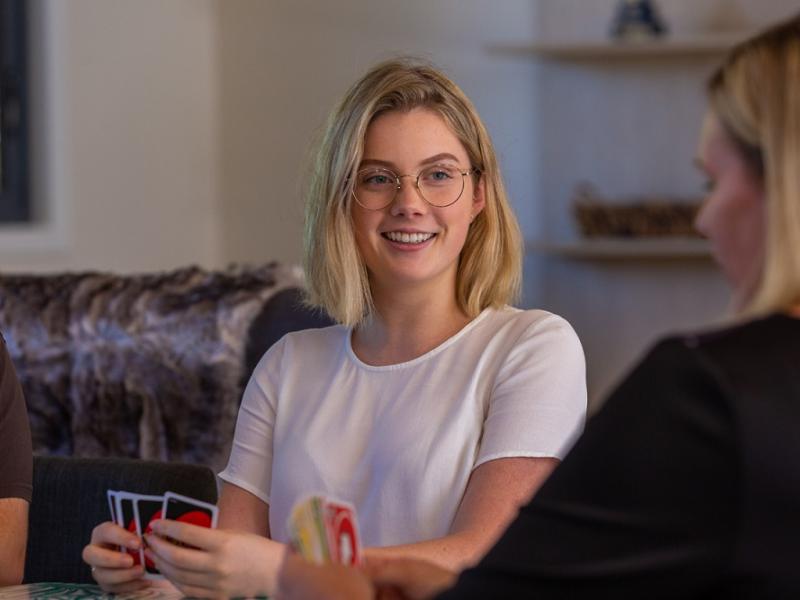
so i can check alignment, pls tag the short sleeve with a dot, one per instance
(16, 456)
(250, 463)
(538, 403)
(645, 505)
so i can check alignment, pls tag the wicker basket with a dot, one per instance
(645, 218)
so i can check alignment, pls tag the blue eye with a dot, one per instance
(376, 179)
(438, 175)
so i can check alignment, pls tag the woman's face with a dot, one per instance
(733, 216)
(410, 242)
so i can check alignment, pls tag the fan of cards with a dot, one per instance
(135, 512)
(324, 531)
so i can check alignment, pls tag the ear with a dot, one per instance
(479, 197)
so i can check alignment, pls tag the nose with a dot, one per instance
(408, 199)
(701, 219)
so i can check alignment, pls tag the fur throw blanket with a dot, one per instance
(149, 366)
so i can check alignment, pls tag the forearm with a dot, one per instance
(14, 528)
(454, 552)
(12, 565)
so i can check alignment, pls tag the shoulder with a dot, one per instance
(308, 343)
(729, 347)
(534, 328)
(530, 320)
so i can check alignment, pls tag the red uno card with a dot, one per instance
(188, 510)
(147, 509)
(126, 519)
(343, 539)
(323, 530)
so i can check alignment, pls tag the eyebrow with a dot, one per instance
(436, 158)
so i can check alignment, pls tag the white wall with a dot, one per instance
(629, 127)
(170, 133)
(284, 63)
(124, 126)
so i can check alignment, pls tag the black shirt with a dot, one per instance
(685, 485)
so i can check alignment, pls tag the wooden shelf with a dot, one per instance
(697, 45)
(626, 249)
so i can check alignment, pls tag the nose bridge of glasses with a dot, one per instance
(414, 186)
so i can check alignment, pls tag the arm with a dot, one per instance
(644, 506)
(16, 473)
(14, 525)
(239, 510)
(494, 493)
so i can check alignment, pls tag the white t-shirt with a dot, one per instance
(399, 442)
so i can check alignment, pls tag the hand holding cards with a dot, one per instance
(323, 531)
(136, 512)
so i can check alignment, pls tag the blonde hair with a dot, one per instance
(489, 269)
(755, 94)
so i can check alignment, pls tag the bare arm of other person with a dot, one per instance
(495, 491)
(393, 579)
(14, 528)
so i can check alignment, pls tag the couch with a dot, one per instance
(148, 366)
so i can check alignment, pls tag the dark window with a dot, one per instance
(14, 201)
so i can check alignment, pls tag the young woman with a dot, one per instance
(685, 485)
(434, 407)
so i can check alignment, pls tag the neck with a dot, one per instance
(407, 324)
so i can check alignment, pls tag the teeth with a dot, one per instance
(408, 238)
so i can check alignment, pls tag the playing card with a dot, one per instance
(112, 504)
(147, 509)
(307, 530)
(126, 519)
(323, 530)
(343, 538)
(188, 510)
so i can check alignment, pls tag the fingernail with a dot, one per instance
(134, 544)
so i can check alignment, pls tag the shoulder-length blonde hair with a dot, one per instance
(489, 269)
(755, 94)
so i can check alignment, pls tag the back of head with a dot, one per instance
(489, 269)
(755, 94)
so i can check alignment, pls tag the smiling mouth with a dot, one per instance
(407, 238)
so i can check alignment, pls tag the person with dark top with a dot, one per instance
(16, 473)
(686, 484)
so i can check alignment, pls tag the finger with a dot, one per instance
(117, 576)
(180, 576)
(193, 535)
(99, 556)
(178, 556)
(110, 534)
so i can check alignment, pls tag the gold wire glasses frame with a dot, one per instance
(376, 188)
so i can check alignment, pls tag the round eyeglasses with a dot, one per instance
(439, 185)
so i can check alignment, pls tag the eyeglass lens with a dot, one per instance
(439, 185)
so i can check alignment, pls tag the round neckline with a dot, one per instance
(422, 357)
